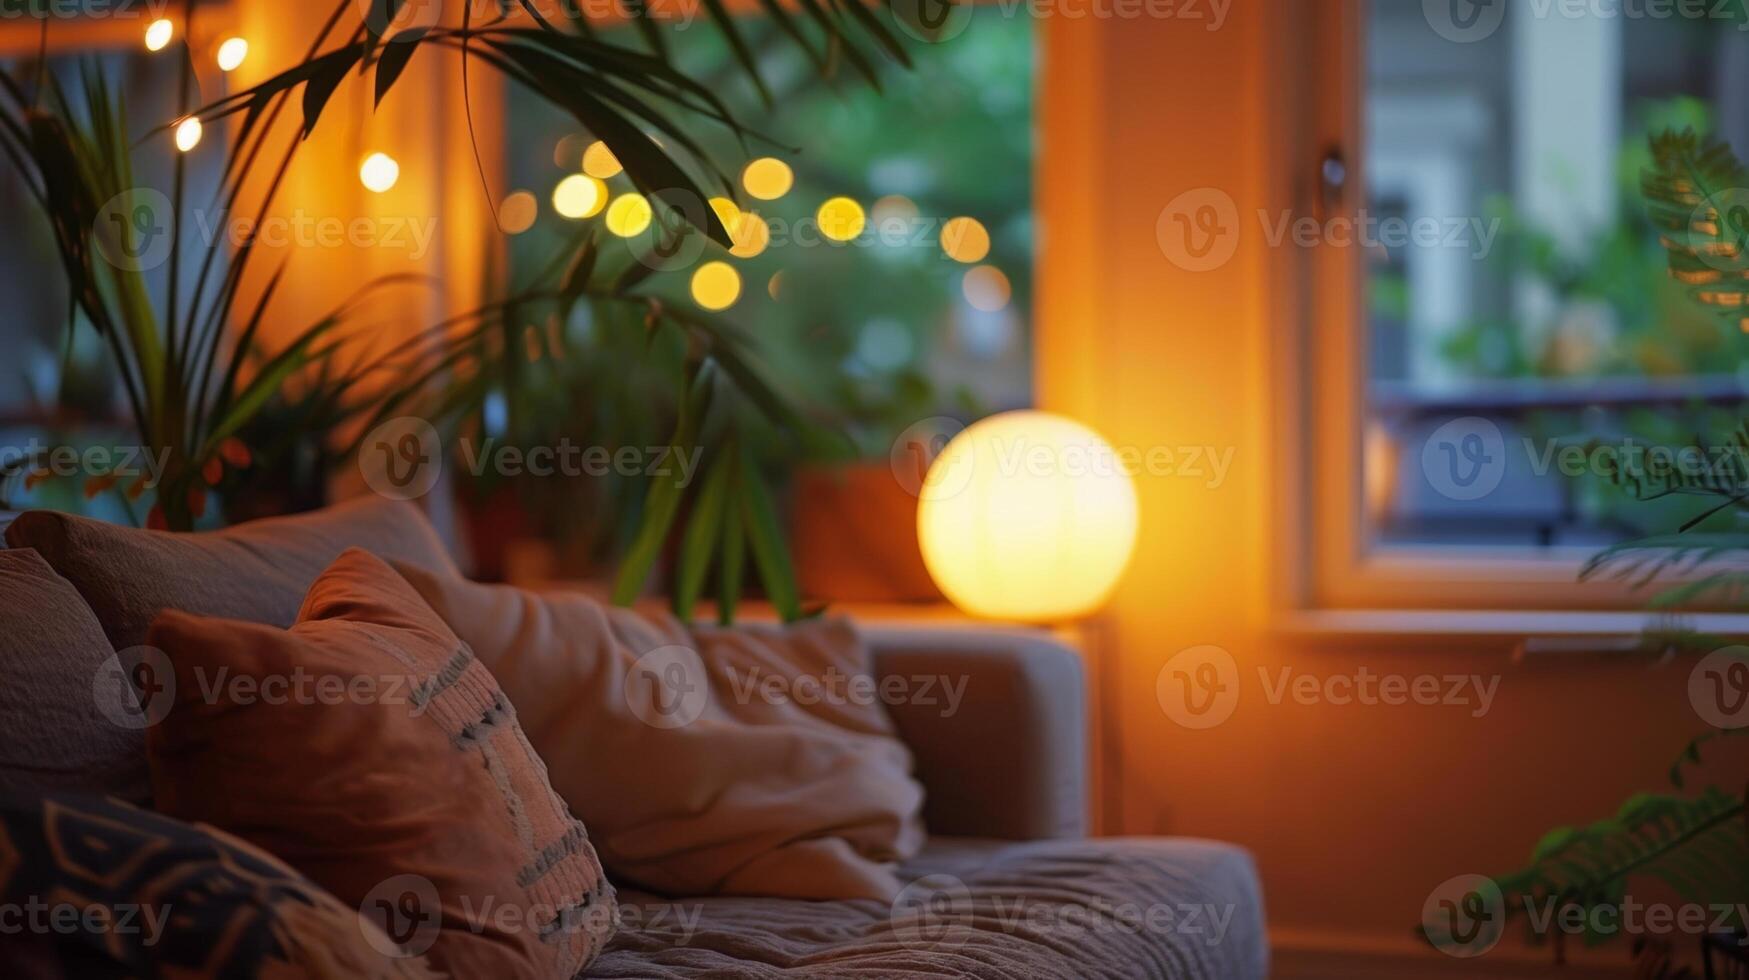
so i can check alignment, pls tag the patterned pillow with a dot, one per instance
(92, 887)
(370, 750)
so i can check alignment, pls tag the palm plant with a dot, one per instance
(195, 373)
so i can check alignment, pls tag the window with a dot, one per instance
(61, 389)
(921, 320)
(1512, 340)
(887, 329)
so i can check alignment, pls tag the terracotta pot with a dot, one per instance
(853, 530)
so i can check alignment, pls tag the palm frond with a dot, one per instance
(621, 95)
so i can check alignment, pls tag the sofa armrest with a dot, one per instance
(1001, 743)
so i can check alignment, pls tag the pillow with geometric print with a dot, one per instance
(91, 887)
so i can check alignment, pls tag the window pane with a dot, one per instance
(1520, 317)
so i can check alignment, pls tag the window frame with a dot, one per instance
(1337, 579)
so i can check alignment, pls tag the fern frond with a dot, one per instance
(1646, 560)
(1699, 846)
(1697, 194)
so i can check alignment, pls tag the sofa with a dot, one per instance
(1009, 884)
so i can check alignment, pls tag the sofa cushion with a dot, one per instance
(55, 663)
(98, 888)
(257, 571)
(748, 761)
(1044, 910)
(372, 751)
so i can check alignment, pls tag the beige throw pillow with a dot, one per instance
(741, 761)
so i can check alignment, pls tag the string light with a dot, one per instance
(516, 213)
(768, 178)
(159, 33)
(578, 196)
(728, 212)
(599, 161)
(841, 219)
(965, 240)
(987, 288)
(716, 285)
(379, 172)
(188, 134)
(751, 234)
(628, 215)
(232, 53)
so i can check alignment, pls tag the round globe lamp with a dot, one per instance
(1029, 517)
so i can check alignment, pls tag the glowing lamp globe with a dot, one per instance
(1027, 516)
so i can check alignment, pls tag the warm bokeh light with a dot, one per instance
(516, 213)
(751, 235)
(628, 215)
(774, 285)
(965, 240)
(599, 161)
(716, 285)
(232, 53)
(379, 172)
(727, 211)
(188, 134)
(841, 219)
(987, 289)
(1027, 516)
(768, 178)
(579, 196)
(159, 34)
(893, 207)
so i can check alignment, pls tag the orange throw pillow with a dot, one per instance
(746, 761)
(369, 749)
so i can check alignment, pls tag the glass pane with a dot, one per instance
(1522, 329)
